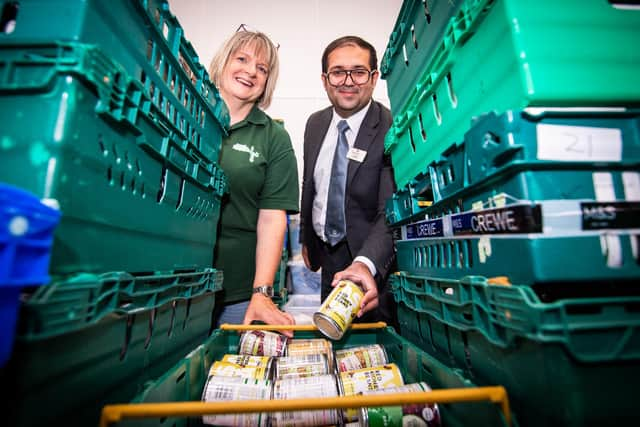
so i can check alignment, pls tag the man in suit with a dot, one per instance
(346, 180)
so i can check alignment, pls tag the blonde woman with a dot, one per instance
(261, 168)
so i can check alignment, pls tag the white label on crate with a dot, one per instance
(579, 143)
(603, 187)
(631, 183)
(612, 250)
(610, 244)
(484, 248)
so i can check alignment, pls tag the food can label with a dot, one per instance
(340, 308)
(247, 360)
(418, 415)
(310, 387)
(368, 379)
(227, 369)
(236, 388)
(351, 359)
(307, 365)
(263, 343)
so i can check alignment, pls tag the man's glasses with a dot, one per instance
(245, 27)
(359, 76)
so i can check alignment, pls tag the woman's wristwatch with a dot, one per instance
(266, 290)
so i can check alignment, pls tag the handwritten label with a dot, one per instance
(579, 143)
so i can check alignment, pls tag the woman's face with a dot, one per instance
(244, 77)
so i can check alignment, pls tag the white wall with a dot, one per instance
(303, 28)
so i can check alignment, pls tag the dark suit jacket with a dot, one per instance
(369, 185)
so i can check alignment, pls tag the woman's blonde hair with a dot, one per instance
(263, 46)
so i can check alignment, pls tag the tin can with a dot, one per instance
(248, 360)
(414, 415)
(309, 387)
(262, 343)
(307, 365)
(366, 356)
(304, 346)
(228, 369)
(236, 388)
(351, 383)
(339, 309)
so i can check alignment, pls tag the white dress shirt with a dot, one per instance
(322, 172)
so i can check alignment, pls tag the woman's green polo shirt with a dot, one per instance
(258, 159)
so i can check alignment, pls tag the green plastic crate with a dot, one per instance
(414, 40)
(186, 380)
(148, 42)
(528, 140)
(502, 55)
(80, 131)
(548, 241)
(118, 333)
(568, 362)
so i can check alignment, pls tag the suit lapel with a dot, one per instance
(317, 139)
(366, 135)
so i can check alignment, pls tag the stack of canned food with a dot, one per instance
(271, 366)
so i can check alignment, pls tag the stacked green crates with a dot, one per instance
(564, 362)
(111, 118)
(499, 55)
(515, 147)
(93, 340)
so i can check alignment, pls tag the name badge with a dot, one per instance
(356, 154)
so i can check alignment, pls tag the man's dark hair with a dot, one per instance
(350, 40)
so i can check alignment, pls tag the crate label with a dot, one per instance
(603, 187)
(578, 143)
(424, 229)
(515, 219)
(631, 183)
(610, 215)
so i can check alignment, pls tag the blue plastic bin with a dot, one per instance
(26, 236)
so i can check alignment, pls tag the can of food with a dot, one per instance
(236, 388)
(418, 414)
(351, 383)
(248, 360)
(310, 387)
(304, 346)
(306, 365)
(339, 309)
(366, 356)
(262, 343)
(228, 369)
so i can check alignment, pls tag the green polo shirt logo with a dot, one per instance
(252, 152)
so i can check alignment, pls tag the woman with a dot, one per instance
(261, 168)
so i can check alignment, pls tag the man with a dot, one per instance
(342, 220)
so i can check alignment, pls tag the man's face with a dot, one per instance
(348, 98)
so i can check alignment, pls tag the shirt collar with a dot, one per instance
(353, 121)
(256, 116)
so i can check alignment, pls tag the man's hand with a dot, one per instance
(261, 307)
(360, 274)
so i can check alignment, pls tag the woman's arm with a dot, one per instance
(272, 226)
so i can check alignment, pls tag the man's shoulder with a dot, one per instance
(321, 115)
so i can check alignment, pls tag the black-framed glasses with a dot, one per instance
(359, 76)
(249, 29)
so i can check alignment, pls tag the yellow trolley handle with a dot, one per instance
(229, 327)
(115, 413)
